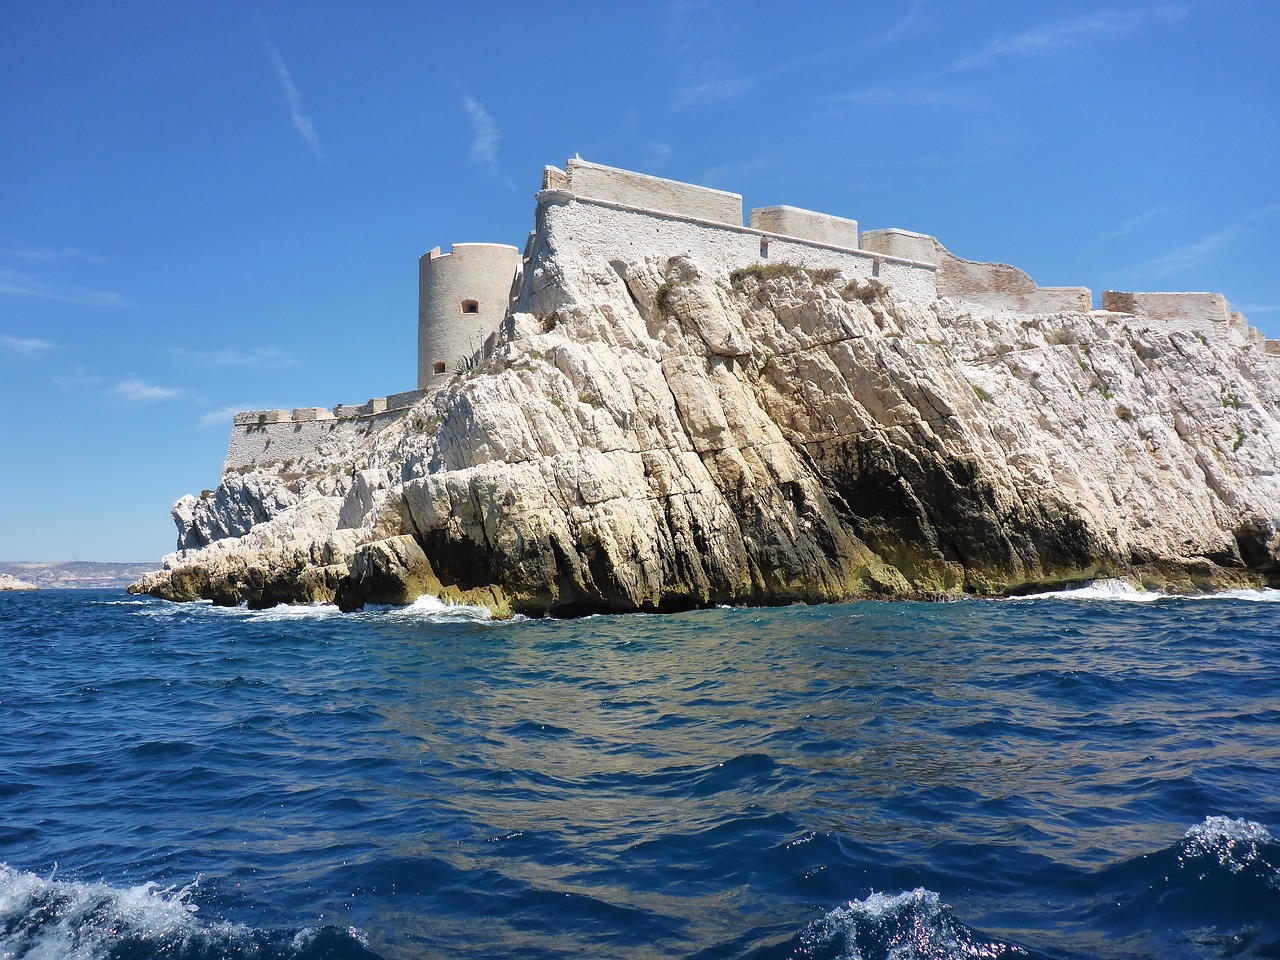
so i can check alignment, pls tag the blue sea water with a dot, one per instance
(1059, 777)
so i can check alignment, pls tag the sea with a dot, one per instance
(1088, 774)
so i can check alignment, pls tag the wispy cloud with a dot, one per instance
(904, 24)
(26, 348)
(264, 357)
(222, 417)
(911, 95)
(702, 76)
(703, 90)
(138, 391)
(659, 154)
(1208, 246)
(269, 357)
(1031, 43)
(15, 284)
(301, 122)
(485, 136)
(18, 251)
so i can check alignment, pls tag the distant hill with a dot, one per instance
(77, 574)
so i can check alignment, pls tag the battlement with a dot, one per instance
(262, 437)
(592, 181)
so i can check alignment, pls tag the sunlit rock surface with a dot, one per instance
(655, 435)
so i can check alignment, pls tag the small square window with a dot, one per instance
(437, 367)
(470, 306)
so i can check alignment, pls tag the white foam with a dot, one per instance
(1251, 596)
(913, 925)
(435, 610)
(1235, 844)
(294, 611)
(1118, 590)
(46, 919)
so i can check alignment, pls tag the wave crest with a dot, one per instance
(45, 918)
(1234, 844)
(914, 925)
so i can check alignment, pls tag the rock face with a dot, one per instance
(13, 583)
(658, 434)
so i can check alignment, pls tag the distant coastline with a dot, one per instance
(72, 574)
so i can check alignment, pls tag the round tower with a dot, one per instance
(463, 297)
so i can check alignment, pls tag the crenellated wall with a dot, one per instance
(274, 437)
(596, 182)
(806, 225)
(615, 230)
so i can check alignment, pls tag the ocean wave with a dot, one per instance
(42, 919)
(1118, 590)
(1236, 845)
(1125, 592)
(913, 925)
(435, 610)
(426, 608)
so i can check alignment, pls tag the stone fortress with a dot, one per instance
(466, 297)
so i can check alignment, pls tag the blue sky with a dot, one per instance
(212, 207)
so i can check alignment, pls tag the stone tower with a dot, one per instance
(463, 296)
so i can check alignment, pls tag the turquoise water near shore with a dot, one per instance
(1061, 777)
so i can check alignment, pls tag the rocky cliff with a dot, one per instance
(655, 434)
(13, 583)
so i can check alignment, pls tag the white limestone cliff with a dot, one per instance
(658, 433)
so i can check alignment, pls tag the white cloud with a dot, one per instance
(301, 122)
(659, 154)
(18, 251)
(141, 392)
(484, 145)
(1196, 254)
(712, 89)
(1106, 23)
(27, 348)
(217, 418)
(15, 284)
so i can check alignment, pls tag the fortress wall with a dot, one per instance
(596, 182)
(1170, 306)
(806, 225)
(274, 437)
(995, 285)
(462, 297)
(1206, 313)
(901, 243)
(259, 444)
(611, 232)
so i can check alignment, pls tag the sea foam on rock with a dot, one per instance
(655, 434)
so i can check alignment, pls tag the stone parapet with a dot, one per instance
(1170, 306)
(806, 225)
(597, 182)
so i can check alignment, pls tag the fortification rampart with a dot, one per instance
(275, 437)
(806, 225)
(1208, 314)
(614, 230)
(996, 285)
(596, 182)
